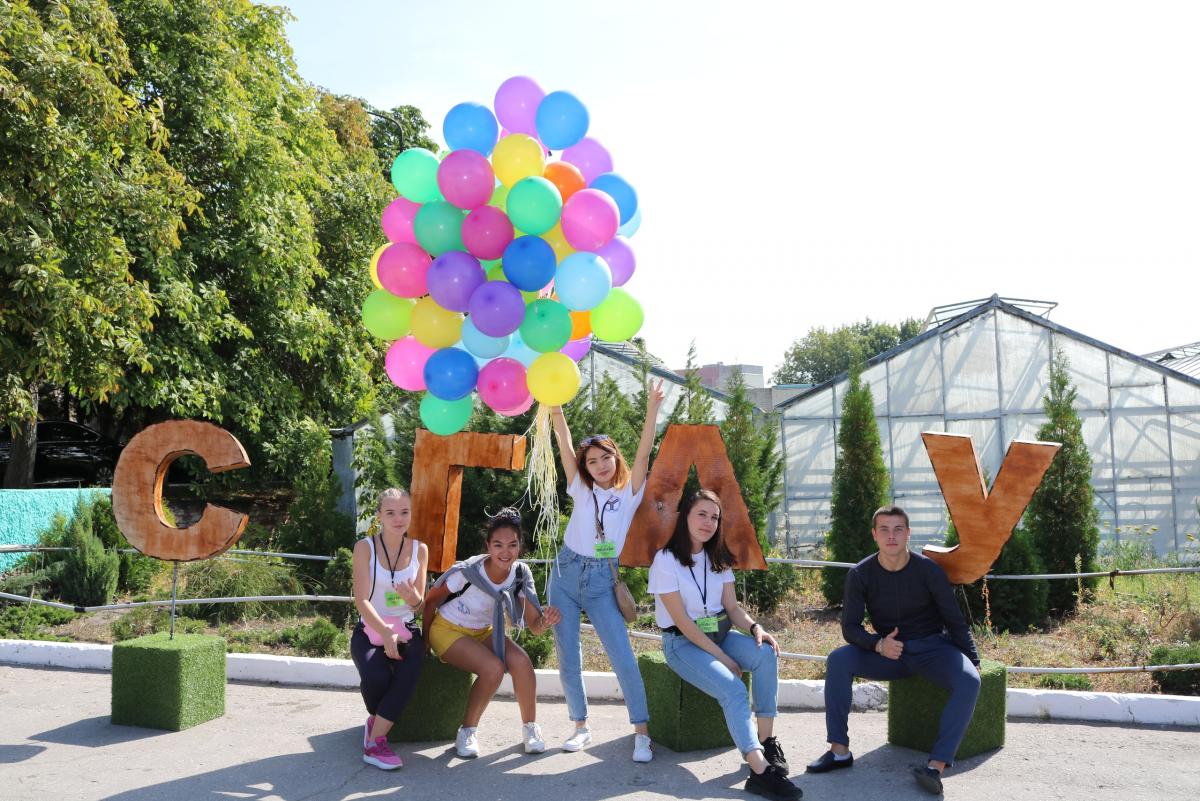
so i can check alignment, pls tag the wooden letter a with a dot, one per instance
(437, 484)
(984, 520)
(682, 447)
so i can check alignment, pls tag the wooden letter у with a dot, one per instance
(682, 447)
(137, 490)
(438, 464)
(984, 520)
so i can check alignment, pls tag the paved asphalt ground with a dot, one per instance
(56, 743)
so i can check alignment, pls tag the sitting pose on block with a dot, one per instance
(695, 605)
(389, 583)
(919, 629)
(605, 493)
(464, 617)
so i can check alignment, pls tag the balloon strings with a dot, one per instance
(542, 479)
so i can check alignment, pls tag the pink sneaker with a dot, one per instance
(381, 755)
(367, 731)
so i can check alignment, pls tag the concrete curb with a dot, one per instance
(1131, 708)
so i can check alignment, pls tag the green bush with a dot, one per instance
(538, 646)
(339, 580)
(225, 578)
(143, 620)
(318, 638)
(29, 621)
(137, 571)
(1066, 681)
(89, 573)
(1016, 605)
(766, 589)
(1177, 682)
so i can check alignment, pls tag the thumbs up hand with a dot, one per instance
(889, 646)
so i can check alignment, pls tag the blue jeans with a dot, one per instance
(585, 584)
(934, 657)
(698, 668)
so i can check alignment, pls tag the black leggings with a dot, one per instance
(386, 684)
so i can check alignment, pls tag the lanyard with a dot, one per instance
(703, 592)
(391, 565)
(610, 504)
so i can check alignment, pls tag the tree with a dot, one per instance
(860, 485)
(396, 130)
(1062, 517)
(823, 354)
(695, 406)
(1015, 606)
(89, 209)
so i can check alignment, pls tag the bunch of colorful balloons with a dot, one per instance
(503, 261)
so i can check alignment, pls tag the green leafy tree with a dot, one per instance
(396, 130)
(695, 406)
(1062, 517)
(89, 572)
(89, 208)
(860, 485)
(823, 354)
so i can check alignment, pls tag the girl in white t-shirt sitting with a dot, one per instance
(695, 605)
(465, 611)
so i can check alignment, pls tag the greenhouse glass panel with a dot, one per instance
(1185, 447)
(1134, 386)
(1088, 369)
(1024, 355)
(876, 379)
(912, 470)
(819, 404)
(808, 521)
(1095, 437)
(927, 517)
(1147, 510)
(972, 383)
(1182, 394)
(1140, 445)
(916, 380)
(811, 452)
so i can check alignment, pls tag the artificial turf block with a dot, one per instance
(437, 706)
(681, 717)
(915, 707)
(163, 683)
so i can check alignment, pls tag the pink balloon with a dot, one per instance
(578, 348)
(501, 383)
(590, 218)
(486, 232)
(405, 363)
(524, 407)
(516, 104)
(397, 220)
(402, 270)
(590, 157)
(619, 255)
(466, 179)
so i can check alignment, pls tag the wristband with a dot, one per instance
(879, 646)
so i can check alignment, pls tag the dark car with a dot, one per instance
(68, 455)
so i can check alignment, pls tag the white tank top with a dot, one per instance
(382, 580)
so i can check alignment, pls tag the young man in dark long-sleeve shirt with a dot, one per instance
(918, 629)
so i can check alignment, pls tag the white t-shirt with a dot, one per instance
(474, 608)
(667, 575)
(383, 581)
(617, 508)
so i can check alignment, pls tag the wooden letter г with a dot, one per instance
(682, 447)
(137, 490)
(437, 484)
(984, 520)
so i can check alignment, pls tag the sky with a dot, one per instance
(813, 164)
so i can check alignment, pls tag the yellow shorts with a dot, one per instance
(443, 634)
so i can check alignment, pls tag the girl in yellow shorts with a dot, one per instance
(466, 608)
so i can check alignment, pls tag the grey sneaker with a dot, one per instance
(466, 743)
(531, 734)
(578, 741)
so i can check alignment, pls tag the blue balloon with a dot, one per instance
(529, 263)
(470, 126)
(562, 120)
(517, 349)
(582, 281)
(630, 228)
(481, 345)
(619, 190)
(450, 374)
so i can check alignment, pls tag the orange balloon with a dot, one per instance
(566, 177)
(581, 324)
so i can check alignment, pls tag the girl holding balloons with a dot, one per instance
(605, 493)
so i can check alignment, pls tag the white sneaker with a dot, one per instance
(578, 741)
(467, 744)
(531, 733)
(641, 748)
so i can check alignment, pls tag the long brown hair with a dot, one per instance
(680, 544)
(606, 444)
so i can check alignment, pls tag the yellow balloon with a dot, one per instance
(434, 326)
(375, 265)
(553, 378)
(517, 156)
(555, 239)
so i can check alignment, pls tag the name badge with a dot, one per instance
(392, 600)
(708, 625)
(606, 550)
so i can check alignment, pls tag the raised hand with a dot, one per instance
(890, 647)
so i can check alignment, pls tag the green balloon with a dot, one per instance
(499, 197)
(534, 205)
(438, 227)
(387, 316)
(414, 174)
(547, 325)
(444, 417)
(618, 317)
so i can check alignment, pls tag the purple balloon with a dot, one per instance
(619, 255)
(578, 348)
(452, 277)
(590, 157)
(516, 104)
(497, 308)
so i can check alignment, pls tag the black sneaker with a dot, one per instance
(772, 783)
(929, 779)
(827, 762)
(773, 752)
